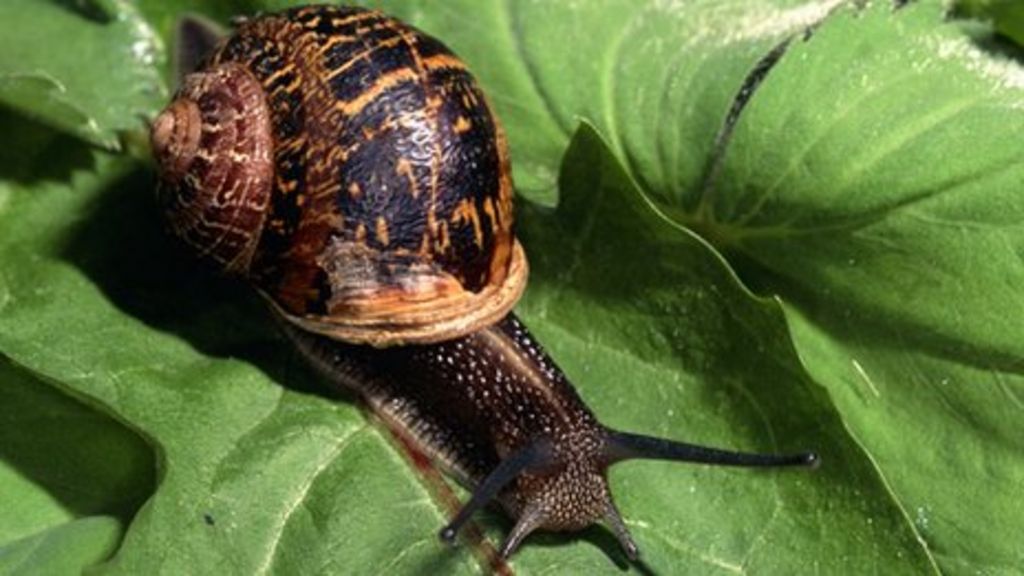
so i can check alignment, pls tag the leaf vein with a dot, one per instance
(300, 495)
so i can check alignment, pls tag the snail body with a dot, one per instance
(351, 169)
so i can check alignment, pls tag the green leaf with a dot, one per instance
(886, 215)
(89, 70)
(870, 182)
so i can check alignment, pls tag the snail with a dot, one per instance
(350, 168)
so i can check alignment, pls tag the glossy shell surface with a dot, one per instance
(386, 216)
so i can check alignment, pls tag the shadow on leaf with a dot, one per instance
(83, 459)
(121, 245)
(34, 153)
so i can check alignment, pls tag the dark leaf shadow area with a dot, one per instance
(32, 152)
(86, 461)
(122, 246)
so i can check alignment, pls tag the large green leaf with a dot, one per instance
(876, 153)
(888, 216)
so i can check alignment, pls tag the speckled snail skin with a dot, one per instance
(350, 168)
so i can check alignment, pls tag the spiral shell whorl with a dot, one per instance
(213, 147)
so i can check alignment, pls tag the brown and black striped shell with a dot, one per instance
(350, 167)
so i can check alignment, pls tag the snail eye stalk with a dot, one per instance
(534, 458)
(624, 446)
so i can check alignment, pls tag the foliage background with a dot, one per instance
(836, 265)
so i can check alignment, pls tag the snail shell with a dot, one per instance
(351, 168)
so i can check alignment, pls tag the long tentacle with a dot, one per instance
(535, 457)
(624, 446)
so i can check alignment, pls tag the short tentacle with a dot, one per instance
(614, 520)
(531, 519)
